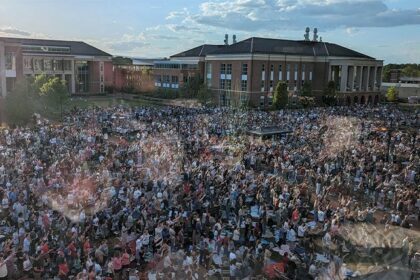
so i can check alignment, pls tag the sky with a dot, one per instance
(385, 29)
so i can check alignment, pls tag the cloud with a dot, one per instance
(127, 47)
(14, 31)
(253, 15)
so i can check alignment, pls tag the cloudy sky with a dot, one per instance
(385, 29)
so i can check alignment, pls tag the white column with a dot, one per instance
(367, 79)
(360, 75)
(375, 69)
(73, 80)
(351, 77)
(344, 77)
(3, 89)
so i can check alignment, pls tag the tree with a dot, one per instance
(329, 98)
(191, 87)
(281, 96)
(19, 106)
(204, 94)
(391, 94)
(52, 94)
(410, 70)
(306, 89)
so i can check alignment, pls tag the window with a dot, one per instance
(280, 73)
(271, 68)
(296, 71)
(67, 65)
(244, 85)
(270, 101)
(38, 64)
(287, 72)
(244, 98)
(10, 61)
(262, 86)
(222, 84)
(102, 78)
(271, 85)
(27, 63)
(208, 74)
(82, 76)
(174, 79)
(303, 71)
(262, 101)
(310, 75)
(263, 68)
(102, 67)
(102, 88)
(244, 69)
(228, 84)
(229, 69)
(47, 64)
(57, 65)
(222, 69)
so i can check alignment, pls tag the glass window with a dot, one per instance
(244, 69)
(262, 101)
(280, 73)
(222, 68)
(228, 84)
(38, 64)
(67, 65)
(244, 85)
(174, 79)
(229, 69)
(10, 61)
(262, 86)
(27, 63)
(244, 98)
(222, 83)
(47, 64)
(271, 85)
(271, 68)
(263, 68)
(82, 76)
(58, 65)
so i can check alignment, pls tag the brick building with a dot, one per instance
(133, 75)
(247, 72)
(174, 72)
(85, 68)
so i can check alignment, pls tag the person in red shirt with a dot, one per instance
(72, 249)
(295, 215)
(125, 261)
(63, 270)
(86, 247)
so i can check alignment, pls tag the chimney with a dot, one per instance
(307, 30)
(226, 39)
(234, 39)
(315, 39)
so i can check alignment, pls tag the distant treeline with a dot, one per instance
(407, 70)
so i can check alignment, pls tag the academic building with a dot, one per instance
(246, 73)
(85, 69)
(133, 75)
(173, 73)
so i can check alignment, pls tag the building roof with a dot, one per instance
(255, 45)
(76, 47)
(200, 51)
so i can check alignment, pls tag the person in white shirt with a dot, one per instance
(301, 230)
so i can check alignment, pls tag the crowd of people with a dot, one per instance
(183, 193)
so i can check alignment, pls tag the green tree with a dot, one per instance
(306, 89)
(191, 87)
(329, 97)
(410, 71)
(204, 94)
(19, 104)
(391, 94)
(53, 94)
(281, 96)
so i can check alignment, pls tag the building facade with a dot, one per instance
(173, 73)
(85, 68)
(247, 72)
(133, 75)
